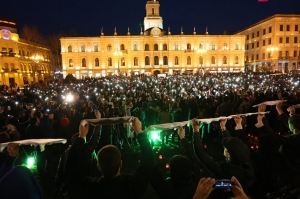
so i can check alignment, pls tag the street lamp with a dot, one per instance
(272, 50)
(201, 51)
(36, 59)
(118, 53)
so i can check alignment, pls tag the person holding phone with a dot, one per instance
(237, 158)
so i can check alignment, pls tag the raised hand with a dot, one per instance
(205, 186)
(237, 189)
(83, 129)
(195, 125)
(180, 132)
(262, 108)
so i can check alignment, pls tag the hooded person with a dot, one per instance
(237, 155)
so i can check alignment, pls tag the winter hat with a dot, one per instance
(239, 152)
(269, 143)
(64, 122)
(180, 167)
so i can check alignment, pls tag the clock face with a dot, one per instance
(155, 31)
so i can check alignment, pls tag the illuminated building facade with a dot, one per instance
(152, 51)
(273, 42)
(21, 62)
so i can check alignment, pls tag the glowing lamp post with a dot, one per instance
(271, 51)
(36, 59)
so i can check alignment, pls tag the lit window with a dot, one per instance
(82, 48)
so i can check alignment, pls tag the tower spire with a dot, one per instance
(194, 30)
(115, 33)
(128, 33)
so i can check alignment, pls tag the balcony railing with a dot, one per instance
(188, 50)
(13, 70)
(7, 54)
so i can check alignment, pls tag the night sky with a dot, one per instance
(86, 17)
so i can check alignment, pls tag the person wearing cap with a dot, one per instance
(237, 156)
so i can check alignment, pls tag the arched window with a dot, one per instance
(96, 62)
(83, 62)
(108, 48)
(147, 61)
(165, 62)
(122, 61)
(200, 46)
(176, 46)
(236, 60)
(237, 46)
(188, 47)
(122, 47)
(156, 61)
(225, 46)
(96, 49)
(146, 47)
(12, 66)
(135, 47)
(109, 63)
(6, 66)
(82, 48)
(213, 60)
(165, 47)
(224, 60)
(188, 60)
(69, 49)
(135, 61)
(155, 47)
(176, 60)
(70, 62)
(213, 46)
(201, 60)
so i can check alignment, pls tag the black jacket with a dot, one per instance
(244, 173)
(122, 186)
(174, 189)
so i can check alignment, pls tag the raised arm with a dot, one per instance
(201, 154)
(143, 174)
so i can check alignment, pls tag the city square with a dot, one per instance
(151, 110)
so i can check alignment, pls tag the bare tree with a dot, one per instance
(54, 44)
(32, 34)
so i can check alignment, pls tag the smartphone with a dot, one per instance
(95, 110)
(223, 184)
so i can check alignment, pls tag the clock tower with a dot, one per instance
(152, 19)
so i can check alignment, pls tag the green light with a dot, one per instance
(30, 162)
(155, 135)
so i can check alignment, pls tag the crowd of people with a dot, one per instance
(261, 152)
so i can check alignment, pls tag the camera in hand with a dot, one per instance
(223, 184)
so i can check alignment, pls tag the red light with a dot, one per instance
(167, 166)
(252, 147)
(205, 146)
(249, 135)
(160, 157)
(262, 1)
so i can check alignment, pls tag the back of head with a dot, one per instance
(109, 160)
(225, 99)
(180, 168)
(239, 152)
